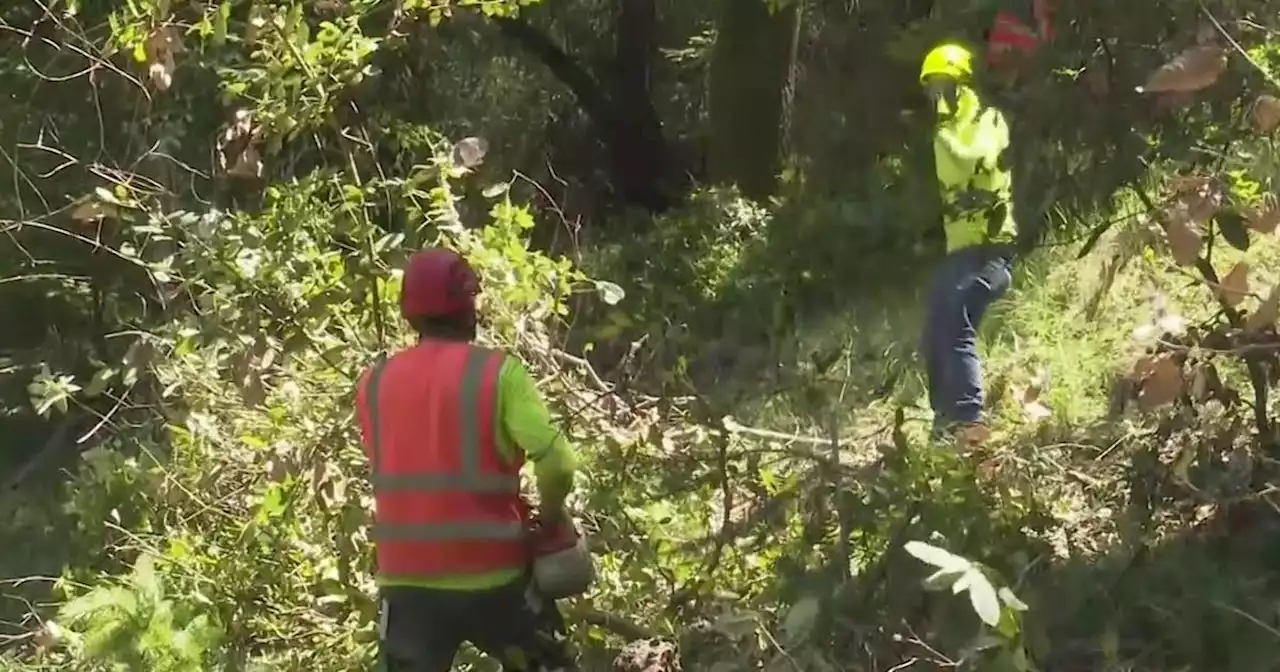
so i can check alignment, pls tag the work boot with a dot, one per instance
(965, 437)
(971, 434)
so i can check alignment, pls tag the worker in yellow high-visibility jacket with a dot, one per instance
(970, 144)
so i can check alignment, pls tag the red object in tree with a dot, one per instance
(1020, 27)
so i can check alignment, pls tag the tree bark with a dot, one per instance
(622, 115)
(750, 64)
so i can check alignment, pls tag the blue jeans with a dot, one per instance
(969, 281)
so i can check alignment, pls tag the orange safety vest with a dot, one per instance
(1015, 31)
(446, 501)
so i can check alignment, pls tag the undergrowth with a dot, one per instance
(740, 378)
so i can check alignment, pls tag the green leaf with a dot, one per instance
(145, 580)
(610, 293)
(1234, 230)
(1010, 625)
(496, 190)
(1010, 600)
(1020, 659)
(932, 555)
(273, 503)
(220, 19)
(983, 597)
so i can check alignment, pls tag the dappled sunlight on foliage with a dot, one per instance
(209, 204)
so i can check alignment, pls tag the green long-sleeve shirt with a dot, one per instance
(524, 424)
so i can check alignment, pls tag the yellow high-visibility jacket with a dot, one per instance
(969, 148)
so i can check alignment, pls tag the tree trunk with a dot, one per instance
(622, 115)
(750, 65)
(641, 154)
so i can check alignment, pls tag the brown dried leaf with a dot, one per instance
(248, 164)
(1196, 199)
(253, 391)
(1143, 367)
(1184, 243)
(1266, 113)
(1264, 218)
(160, 48)
(1162, 385)
(1265, 316)
(973, 436)
(1037, 411)
(1233, 289)
(93, 210)
(1199, 384)
(1185, 184)
(1193, 69)
(1029, 399)
(1205, 381)
(237, 154)
(1207, 33)
(470, 151)
(1203, 205)
(1172, 101)
(167, 38)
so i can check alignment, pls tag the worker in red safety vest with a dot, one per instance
(447, 426)
(1019, 29)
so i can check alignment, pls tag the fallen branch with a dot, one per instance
(735, 427)
(585, 366)
(611, 622)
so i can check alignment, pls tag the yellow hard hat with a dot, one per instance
(948, 60)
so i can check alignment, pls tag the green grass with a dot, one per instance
(1078, 460)
(1040, 328)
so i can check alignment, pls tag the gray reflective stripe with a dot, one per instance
(375, 421)
(469, 410)
(474, 531)
(464, 482)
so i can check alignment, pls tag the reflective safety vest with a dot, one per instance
(1020, 26)
(976, 197)
(447, 502)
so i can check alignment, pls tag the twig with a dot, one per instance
(1236, 45)
(585, 366)
(795, 665)
(733, 426)
(844, 520)
(1249, 617)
